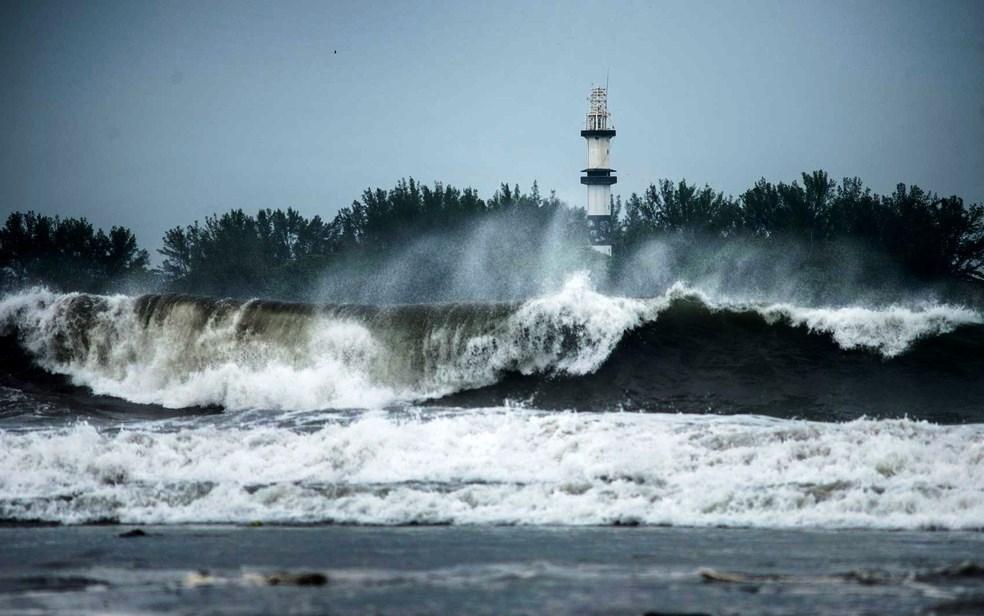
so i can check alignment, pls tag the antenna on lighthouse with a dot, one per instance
(599, 176)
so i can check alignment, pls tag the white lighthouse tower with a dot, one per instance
(599, 176)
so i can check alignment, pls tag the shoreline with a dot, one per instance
(496, 570)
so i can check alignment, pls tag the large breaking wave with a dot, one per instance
(576, 349)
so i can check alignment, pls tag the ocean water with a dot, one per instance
(573, 410)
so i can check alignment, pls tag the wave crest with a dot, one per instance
(179, 351)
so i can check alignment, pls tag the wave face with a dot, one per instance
(505, 467)
(180, 351)
(577, 349)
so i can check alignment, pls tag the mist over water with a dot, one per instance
(502, 258)
(838, 273)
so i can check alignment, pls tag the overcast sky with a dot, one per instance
(152, 115)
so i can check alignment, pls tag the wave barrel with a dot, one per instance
(599, 176)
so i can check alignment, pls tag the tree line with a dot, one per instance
(927, 236)
(68, 254)
(281, 253)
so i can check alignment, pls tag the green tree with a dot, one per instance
(68, 254)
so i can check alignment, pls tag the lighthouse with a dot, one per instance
(599, 176)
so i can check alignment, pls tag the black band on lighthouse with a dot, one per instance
(598, 180)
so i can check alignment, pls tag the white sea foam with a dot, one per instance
(506, 467)
(179, 362)
(323, 360)
(572, 331)
(890, 331)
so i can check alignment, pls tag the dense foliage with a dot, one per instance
(238, 254)
(281, 253)
(928, 236)
(68, 254)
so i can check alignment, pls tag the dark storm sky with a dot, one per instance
(154, 114)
